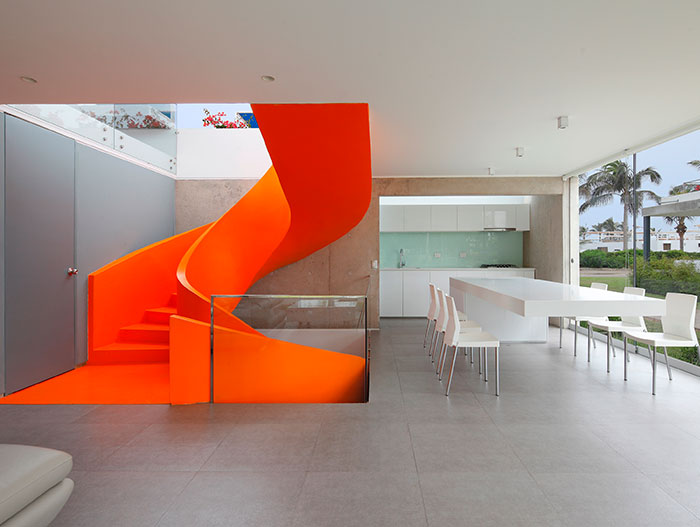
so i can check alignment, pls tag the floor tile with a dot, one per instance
(372, 447)
(485, 500)
(121, 499)
(380, 499)
(236, 498)
(258, 447)
(612, 499)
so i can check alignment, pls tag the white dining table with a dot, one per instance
(518, 309)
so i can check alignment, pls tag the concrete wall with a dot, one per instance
(214, 153)
(119, 207)
(543, 246)
(345, 266)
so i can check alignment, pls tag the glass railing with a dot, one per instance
(331, 323)
(146, 132)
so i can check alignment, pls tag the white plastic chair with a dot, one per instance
(678, 325)
(467, 326)
(628, 323)
(432, 316)
(455, 338)
(594, 285)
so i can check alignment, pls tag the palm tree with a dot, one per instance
(617, 179)
(678, 222)
(608, 225)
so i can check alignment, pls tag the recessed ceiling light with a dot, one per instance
(563, 122)
(519, 151)
(268, 78)
(30, 80)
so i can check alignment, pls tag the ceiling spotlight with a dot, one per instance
(519, 151)
(492, 171)
(563, 122)
(30, 80)
(268, 78)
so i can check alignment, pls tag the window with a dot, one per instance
(667, 246)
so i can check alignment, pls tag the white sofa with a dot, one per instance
(33, 485)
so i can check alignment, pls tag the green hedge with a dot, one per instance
(665, 276)
(618, 260)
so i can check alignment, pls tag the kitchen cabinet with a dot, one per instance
(416, 218)
(500, 216)
(470, 218)
(405, 292)
(453, 218)
(416, 294)
(522, 222)
(390, 293)
(391, 218)
(443, 218)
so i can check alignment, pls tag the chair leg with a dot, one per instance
(443, 350)
(431, 348)
(668, 366)
(442, 364)
(612, 346)
(478, 358)
(589, 342)
(486, 365)
(624, 345)
(471, 355)
(653, 373)
(595, 346)
(607, 353)
(498, 370)
(575, 335)
(561, 329)
(452, 370)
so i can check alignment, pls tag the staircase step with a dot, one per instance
(130, 353)
(159, 315)
(145, 332)
(173, 300)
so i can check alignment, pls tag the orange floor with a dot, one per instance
(111, 384)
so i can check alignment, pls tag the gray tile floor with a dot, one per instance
(564, 444)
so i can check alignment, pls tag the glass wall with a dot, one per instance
(666, 173)
(144, 131)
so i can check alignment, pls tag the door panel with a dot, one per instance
(39, 248)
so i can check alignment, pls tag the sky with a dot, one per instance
(670, 159)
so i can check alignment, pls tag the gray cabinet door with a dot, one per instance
(39, 249)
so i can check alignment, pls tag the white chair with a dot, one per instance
(467, 326)
(594, 285)
(455, 338)
(629, 323)
(678, 325)
(432, 316)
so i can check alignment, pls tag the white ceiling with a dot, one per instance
(453, 86)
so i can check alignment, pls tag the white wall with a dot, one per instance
(221, 153)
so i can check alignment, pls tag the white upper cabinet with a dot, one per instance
(416, 218)
(523, 217)
(391, 218)
(443, 218)
(451, 218)
(500, 216)
(470, 218)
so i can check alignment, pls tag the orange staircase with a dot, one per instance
(147, 342)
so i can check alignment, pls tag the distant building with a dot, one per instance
(665, 240)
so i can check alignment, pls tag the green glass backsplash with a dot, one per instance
(477, 247)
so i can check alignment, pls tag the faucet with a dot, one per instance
(402, 259)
